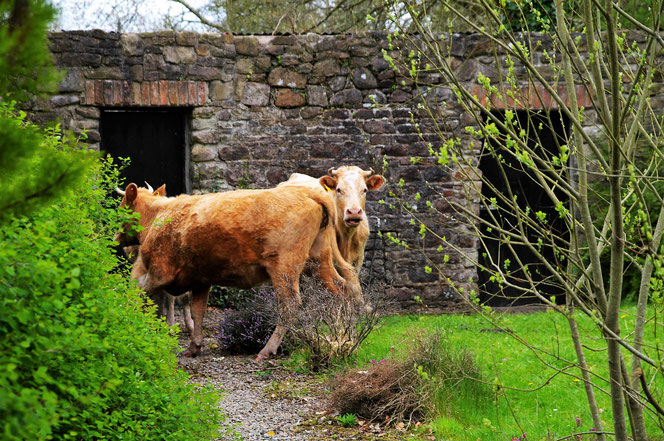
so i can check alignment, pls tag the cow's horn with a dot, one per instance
(332, 171)
(150, 189)
(368, 173)
(120, 192)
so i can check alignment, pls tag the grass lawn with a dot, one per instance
(533, 397)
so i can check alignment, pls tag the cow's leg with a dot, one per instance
(198, 305)
(170, 309)
(352, 287)
(329, 275)
(287, 290)
(186, 307)
(325, 251)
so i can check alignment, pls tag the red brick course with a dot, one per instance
(146, 93)
(531, 97)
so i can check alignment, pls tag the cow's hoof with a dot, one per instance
(193, 350)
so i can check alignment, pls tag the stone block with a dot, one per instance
(224, 51)
(246, 46)
(288, 98)
(179, 54)
(467, 71)
(206, 136)
(186, 38)
(93, 136)
(88, 112)
(220, 91)
(71, 82)
(285, 40)
(255, 94)
(399, 96)
(64, 100)
(202, 50)
(337, 83)
(195, 72)
(201, 153)
(233, 153)
(132, 44)
(209, 170)
(317, 96)
(305, 68)
(136, 73)
(364, 79)
(311, 112)
(362, 51)
(337, 114)
(347, 96)
(290, 60)
(378, 126)
(104, 73)
(375, 96)
(282, 77)
(263, 63)
(244, 65)
(76, 59)
(327, 68)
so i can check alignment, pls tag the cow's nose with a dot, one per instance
(353, 212)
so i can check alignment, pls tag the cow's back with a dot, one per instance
(229, 238)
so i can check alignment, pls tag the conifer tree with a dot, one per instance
(33, 167)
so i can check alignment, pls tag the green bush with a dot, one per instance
(82, 356)
(229, 298)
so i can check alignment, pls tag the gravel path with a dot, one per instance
(264, 401)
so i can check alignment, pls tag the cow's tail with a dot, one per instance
(329, 212)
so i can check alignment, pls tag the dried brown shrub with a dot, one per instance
(388, 390)
(433, 376)
(332, 326)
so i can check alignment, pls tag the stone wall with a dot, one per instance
(266, 106)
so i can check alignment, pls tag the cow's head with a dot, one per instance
(131, 200)
(351, 185)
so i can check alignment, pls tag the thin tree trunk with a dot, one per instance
(617, 236)
(638, 425)
(582, 206)
(585, 373)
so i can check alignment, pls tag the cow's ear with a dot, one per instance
(130, 193)
(328, 182)
(375, 182)
(161, 191)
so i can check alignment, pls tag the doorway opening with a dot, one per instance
(156, 142)
(546, 132)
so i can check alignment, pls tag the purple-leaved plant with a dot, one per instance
(247, 329)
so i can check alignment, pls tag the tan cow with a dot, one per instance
(242, 239)
(350, 185)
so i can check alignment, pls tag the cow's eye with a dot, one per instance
(339, 191)
(365, 190)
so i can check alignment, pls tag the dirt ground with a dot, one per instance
(266, 401)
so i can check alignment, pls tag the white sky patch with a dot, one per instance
(125, 15)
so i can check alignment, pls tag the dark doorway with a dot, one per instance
(156, 142)
(546, 133)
